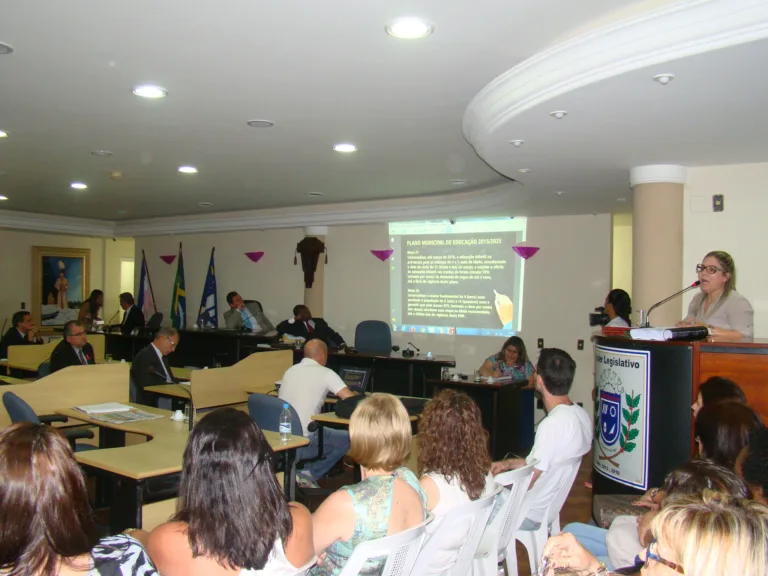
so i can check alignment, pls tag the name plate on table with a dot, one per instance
(622, 379)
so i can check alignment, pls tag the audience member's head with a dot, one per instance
(74, 333)
(513, 352)
(554, 372)
(380, 433)
(698, 475)
(710, 535)
(316, 350)
(229, 496)
(126, 300)
(95, 301)
(43, 502)
(722, 430)
(302, 313)
(235, 301)
(166, 340)
(716, 390)
(752, 464)
(22, 320)
(453, 442)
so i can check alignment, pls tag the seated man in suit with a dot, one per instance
(22, 332)
(245, 316)
(151, 367)
(303, 325)
(133, 317)
(74, 349)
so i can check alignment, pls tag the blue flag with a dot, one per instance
(209, 309)
(179, 298)
(146, 295)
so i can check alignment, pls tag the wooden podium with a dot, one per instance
(644, 422)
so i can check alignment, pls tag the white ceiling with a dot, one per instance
(326, 72)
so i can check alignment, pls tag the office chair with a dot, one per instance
(44, 369)
(20, 411)
(153, 325)
(373, 337)
(246, 302)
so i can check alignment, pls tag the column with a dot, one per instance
(657, 240)
(314, 298)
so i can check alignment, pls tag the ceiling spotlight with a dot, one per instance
(345, 148)
(559, 192)
(122, 212)
(260, 123)
(5, 48)
(621, 199)
(409, 28)
(458, 182)
(314, 194)
(101, 152)
(516, 143)
(524, 170)
(3, 198)
(3, 173)
(559, 114)
(3, 134)
(205, 204)
(664, 79)
(78, 186)
(150, 91)
(187, 169)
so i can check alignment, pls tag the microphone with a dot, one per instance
(647, 322)
(412, 345)
(152, 370)
(109, 324)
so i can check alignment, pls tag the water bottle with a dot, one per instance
(285, 424)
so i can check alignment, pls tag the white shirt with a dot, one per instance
(277, 564)
(305, 386)
(565, 433)
(618, 321)
(160, 355)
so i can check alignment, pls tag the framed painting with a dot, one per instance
(60, 284)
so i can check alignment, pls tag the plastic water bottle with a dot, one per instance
(285, 424)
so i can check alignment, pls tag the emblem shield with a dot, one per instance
(610, 417)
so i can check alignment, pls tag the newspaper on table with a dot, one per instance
(125, 417)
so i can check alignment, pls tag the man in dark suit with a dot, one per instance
(151, 367)
(133, 317)
(74, 349)
(305, 326)
(22, 332)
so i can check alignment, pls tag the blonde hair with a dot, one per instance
(734, 534)
(380, 433)
(729, 267)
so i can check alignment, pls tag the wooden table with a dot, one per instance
(158, 459)
(179, 394)
(183, 373)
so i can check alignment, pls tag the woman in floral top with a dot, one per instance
(511, 360)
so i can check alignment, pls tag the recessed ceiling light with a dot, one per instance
(517, 143)
(3, 134)
(205, 204)
(121, 212)
(345, 148)
(524, 170)
(101, 152)
(150, 91)
(409, 28)
(458, 182)
(664, 79)
(187, 169)
(5, 48)
(559, 114)
(78, 186)
(315, 194)
(3, 197)
(621, 199)
(260, 123)
(559, 192)
(3, 173)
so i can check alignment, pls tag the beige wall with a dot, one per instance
(115, 251)
(621, 273)
(739, 229)
(16, 264)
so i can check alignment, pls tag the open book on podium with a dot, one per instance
(671, 333)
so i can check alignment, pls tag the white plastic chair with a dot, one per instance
(534, 540)
(465, 523)
(401, 550)
(497, 543)
(304, 570)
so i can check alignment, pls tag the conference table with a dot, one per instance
(134, 469)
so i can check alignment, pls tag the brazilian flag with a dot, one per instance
(179, 299)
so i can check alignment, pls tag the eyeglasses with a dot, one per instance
(709, 269)
(77, 334)
(651, 556)
(171, 342)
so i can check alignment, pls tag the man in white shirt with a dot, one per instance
(566, 432)
(305, 386)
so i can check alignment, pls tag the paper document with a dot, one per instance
(126, 417)
(104, 408)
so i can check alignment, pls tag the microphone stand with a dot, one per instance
(646, 322)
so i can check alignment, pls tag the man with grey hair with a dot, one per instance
(151, 367)
(74, 349)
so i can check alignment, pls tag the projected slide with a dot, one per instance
(461, 278)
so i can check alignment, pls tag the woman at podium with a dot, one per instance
(511, 361)
(718, 306)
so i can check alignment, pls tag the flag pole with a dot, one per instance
(149, 280)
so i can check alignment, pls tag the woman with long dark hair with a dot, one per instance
(89, 311)
(46, 523)
(511, 360)
(232, 517)
(618, 308)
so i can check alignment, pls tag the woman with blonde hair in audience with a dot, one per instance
(46, 524)
(710, 535)
(232, 516)
(454, 463)
(389, 498)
